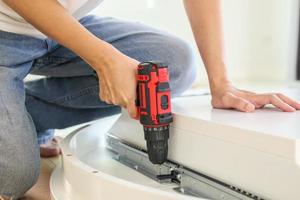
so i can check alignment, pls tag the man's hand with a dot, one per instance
(228, 97)
(116, 72)
(117, 80)
(205, 18)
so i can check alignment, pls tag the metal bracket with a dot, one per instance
(189, 182)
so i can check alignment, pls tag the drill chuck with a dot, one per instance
(157, 143)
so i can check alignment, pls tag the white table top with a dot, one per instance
(267, 129)
(235, 147)
(268, 120)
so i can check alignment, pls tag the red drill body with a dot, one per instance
(154, 105)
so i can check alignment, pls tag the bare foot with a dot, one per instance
(50, 149)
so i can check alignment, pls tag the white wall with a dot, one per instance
(260, 38)
(260, 35)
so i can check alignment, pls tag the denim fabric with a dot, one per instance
(68, 93)
(45, 136)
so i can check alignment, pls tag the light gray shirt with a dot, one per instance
(10, 21)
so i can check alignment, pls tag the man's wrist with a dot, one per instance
(218, 84)
(99, 55)
(217, 76)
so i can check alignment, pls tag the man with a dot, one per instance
(55, 39)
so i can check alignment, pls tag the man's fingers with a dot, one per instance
(289, 101)
(132, 110)
(274, 100)
(232, 101)
(277, 102)
(104, 94)
(101, 93)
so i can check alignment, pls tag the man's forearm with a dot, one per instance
(53, 20)
(205, 19)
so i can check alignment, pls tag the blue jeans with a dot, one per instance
(68, 93)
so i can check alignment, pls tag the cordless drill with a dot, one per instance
(154, 106)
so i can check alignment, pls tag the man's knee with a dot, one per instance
(18, 175)
(180, 57)
(19, 160)
(145, 44)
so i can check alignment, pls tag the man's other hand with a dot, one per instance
(229, 97)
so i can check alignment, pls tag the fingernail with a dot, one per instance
(293, 109)
(249, 107)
